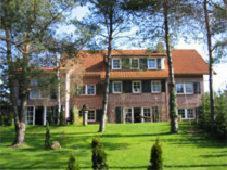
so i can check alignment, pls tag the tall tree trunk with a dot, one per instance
(12, 84)
(209, 46)
(173, 108)
(107, 80)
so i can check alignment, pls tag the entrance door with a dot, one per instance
(39, 115)
(137, 115)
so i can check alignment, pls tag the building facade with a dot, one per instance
(139, 89)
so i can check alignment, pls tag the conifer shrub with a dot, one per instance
(47, 137)
(72, 164)
(99, 157)
(156, 161)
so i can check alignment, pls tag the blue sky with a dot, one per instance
(220, 79)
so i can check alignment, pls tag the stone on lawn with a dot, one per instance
(55, 145)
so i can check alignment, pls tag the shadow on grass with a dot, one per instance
(196, 166)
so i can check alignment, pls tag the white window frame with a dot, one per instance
(143, 114)
(184, 88)
(140, 89)
(31, 115)
(136, 59)
(155, 61)
(120, 62)
(34, 82)
(94, 89)
(113, 86)
(91, 120)
(86, 89)
(152, 85)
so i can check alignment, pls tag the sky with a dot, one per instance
(220, 78)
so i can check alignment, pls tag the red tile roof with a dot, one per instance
(186, 62)
(189, 62)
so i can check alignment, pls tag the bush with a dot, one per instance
(74, 115)
(1, 120)
(99, 157)
(72, 164)
(220, 128)
(156, 162)
(47, 137)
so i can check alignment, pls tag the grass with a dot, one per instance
(128, 147)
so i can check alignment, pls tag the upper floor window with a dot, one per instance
(136, 86)
(156, 86)
(116, 63)
(90, 89)
(151, 64)
(39, 94)
(186, 88)
(155, 63)
(135, 63)
(34, 82)
(117, 86)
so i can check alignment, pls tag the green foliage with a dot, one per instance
(156, 161)
(220, 129)
(47, 137)
(72, 164)
(99, 157)
(62, 118)
(6, 119)
(74, 115)
(1, 120)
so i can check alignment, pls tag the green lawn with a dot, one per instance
(128, 147)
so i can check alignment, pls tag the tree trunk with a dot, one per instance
(209, 46)
(107, 80)
(173, 108)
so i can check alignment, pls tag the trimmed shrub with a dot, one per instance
(72, 164)
(156, 162)
(99, 157)
(47, 137)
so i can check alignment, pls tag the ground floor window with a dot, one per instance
(30, 113)
(147, 114)
(91, 117)
(186, 113)
(128, 115)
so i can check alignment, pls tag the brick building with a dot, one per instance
(138, 86)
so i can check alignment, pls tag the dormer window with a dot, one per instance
(116, 64)
(135, 63)
(155, 63)
(151, 64)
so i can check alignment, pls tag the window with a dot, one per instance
(186, 88)
(189, 88)
(91, 89)
(151, 64)
(181, 112)
(117, 87)
(190, 113)
(91, 117)
(34, 94)
(88, 90)
(155, 86)
(128, 115)
(147, 114)
(30, 115)
(134, 63)
(136, 86)
(180, 88)
(116, 64)
(34, 82)
(186, 113)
